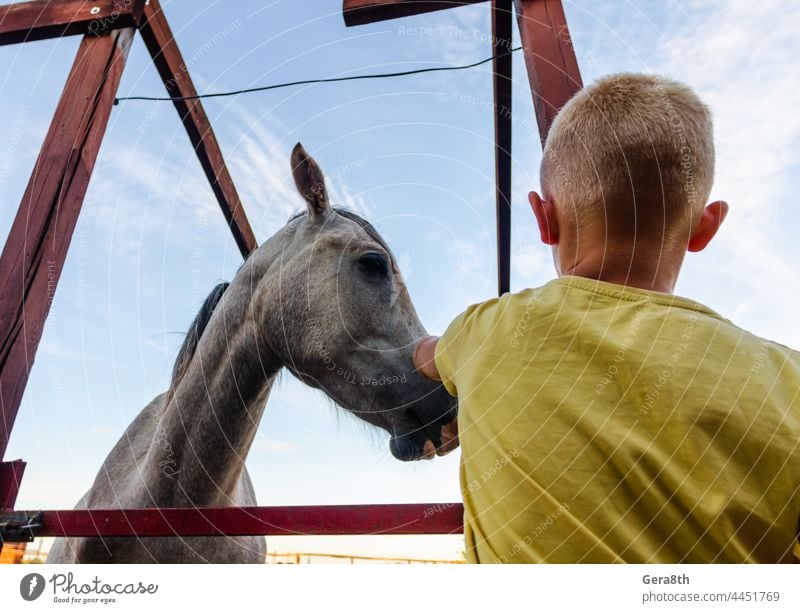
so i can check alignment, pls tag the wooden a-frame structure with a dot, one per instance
(37, 245)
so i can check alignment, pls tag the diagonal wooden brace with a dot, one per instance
(34, 254)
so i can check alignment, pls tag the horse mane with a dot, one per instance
(194, 334)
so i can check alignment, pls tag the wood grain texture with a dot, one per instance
(41, 19)
(550, 59)
(10, 478)
(37, 244)
(360, 12)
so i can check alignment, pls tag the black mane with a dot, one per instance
(199, 324)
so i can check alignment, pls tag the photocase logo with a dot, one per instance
(94, 591)
(31, 586)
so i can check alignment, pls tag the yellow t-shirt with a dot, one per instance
(600, 423)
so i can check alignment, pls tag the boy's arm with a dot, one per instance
(423, 358)
(437, 358)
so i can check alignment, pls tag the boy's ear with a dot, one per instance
(710, 221)
(545, 213)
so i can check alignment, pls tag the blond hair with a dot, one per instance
(634, 152)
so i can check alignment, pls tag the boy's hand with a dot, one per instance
(423, 358)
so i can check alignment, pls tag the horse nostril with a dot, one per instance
(410, 446)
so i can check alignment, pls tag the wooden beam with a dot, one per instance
(36, 248)
(10, 478)
(164, 50)
(360, 12)
(27, 21)
(549, 57)
(433, 518)
(502, 21)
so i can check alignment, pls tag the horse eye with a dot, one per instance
(374, 263)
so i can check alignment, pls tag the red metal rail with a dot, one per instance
(442, 518)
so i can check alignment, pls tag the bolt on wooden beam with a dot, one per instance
(42, 19)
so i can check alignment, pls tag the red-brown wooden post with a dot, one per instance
(360, 12)
(10, 478)
(34, 253)
(549, 57)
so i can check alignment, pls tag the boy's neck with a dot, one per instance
(648, 269)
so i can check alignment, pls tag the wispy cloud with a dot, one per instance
(738, 55)
(273, 445)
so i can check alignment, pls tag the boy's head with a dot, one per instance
(627, 169)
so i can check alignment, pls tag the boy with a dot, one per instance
(601, 418)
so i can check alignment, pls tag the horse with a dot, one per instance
(324, 299)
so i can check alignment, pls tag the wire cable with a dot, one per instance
(380, 75)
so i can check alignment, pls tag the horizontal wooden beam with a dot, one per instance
(360, 12)
(36, 248)
(41, 19)
(169, 62)
(435, 518)
(550, 59)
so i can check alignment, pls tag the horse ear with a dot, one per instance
(310, 182)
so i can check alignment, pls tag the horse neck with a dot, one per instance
(210, 419)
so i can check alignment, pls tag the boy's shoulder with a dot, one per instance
(571, 296)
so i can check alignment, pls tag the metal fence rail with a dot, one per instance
(437, 518)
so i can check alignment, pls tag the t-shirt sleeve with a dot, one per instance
(461, 339)
(446, 354)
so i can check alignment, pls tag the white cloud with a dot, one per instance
(531, 262)
(742, 58)
(267, 444)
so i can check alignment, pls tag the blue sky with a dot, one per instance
(413, 154)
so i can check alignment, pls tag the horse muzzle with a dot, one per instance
(424, 443)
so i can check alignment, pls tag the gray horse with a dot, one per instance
(323, 298)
